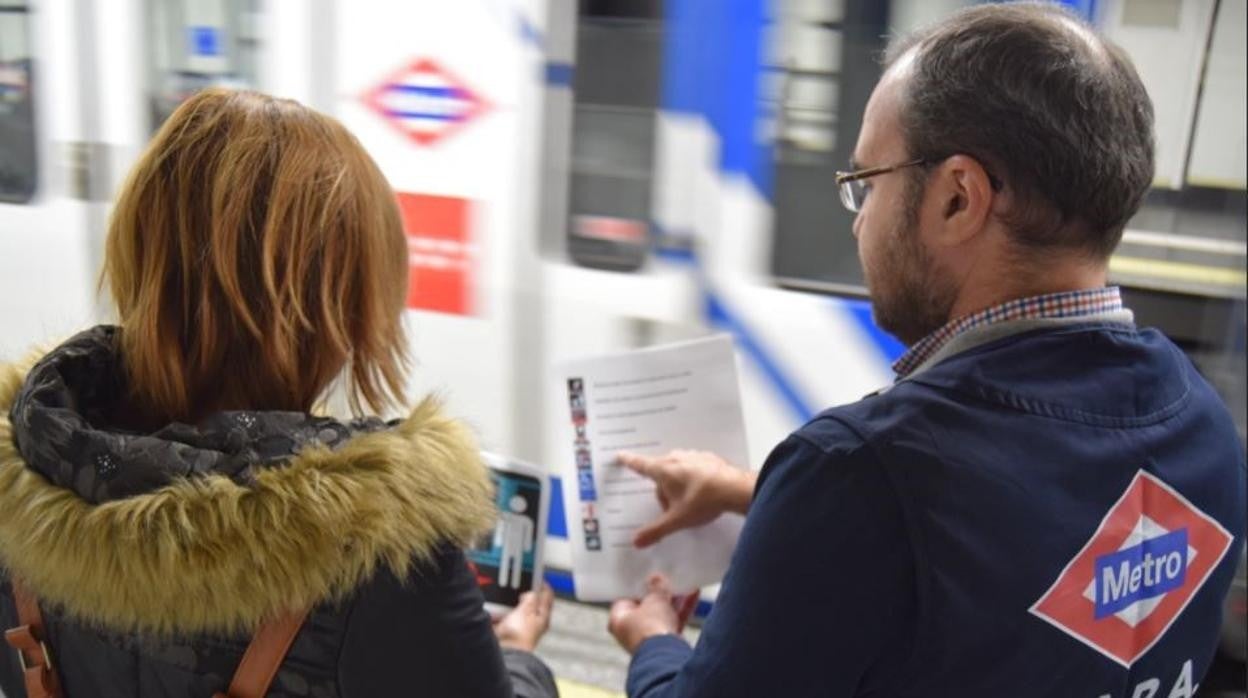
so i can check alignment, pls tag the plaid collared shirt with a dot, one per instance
(1067, 304)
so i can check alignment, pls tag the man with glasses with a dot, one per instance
(1049, 501)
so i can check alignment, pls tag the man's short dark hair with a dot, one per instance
(1047, 106)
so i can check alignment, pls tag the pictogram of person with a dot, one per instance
(514, 533)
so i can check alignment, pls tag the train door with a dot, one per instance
(83, 85)
(44, 284)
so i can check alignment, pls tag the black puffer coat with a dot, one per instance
(154, 555)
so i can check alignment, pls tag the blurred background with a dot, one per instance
(584, 177)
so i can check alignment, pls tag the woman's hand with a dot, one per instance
(523, 626)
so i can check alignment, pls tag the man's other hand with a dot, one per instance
(693, 487)
(632, 621)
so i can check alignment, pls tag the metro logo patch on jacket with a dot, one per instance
(1135, 575)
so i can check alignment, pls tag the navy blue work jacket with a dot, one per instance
(1055, 513)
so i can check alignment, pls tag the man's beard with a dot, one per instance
(910, 296)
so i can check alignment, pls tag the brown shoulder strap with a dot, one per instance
(264, 656)
(251, 680)
(28, 638)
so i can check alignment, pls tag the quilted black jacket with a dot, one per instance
(155, 554)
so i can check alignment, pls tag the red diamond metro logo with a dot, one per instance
(1135, 575)
(425, 102)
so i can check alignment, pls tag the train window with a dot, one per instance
(821, 67)
(18, 161)
(197, 44)
(615, 97)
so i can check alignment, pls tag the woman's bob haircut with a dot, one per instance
(255, 254)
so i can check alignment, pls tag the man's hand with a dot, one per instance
(523, 626)
(694, 487)
(658, 613)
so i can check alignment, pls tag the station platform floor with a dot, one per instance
(585, 658)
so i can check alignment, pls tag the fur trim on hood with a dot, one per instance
(207, 554)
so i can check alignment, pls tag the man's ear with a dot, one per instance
(964, 192)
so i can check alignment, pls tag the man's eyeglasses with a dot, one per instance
(854, 185)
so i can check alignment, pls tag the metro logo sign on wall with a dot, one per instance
(440, 253)
(1143, 564)
(425, 102)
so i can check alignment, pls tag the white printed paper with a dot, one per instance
(649, 401)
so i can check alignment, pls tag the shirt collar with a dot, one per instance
(1067, 304)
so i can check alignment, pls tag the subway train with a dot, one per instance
(578, 178)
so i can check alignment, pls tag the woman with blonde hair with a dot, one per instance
(168, 502)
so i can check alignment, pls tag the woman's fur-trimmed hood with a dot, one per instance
(206, 553)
